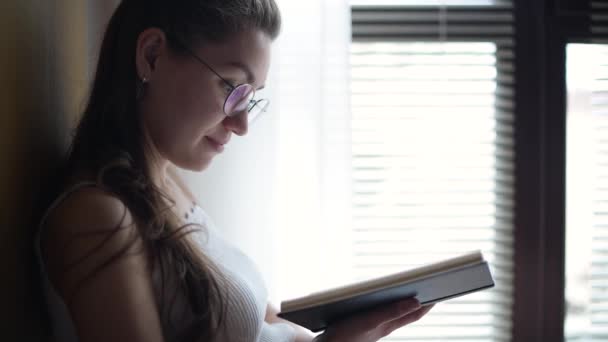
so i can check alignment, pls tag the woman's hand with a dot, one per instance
(373, 325)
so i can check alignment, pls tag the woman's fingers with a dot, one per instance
(406, 319)
(373, 325)
(393, 311)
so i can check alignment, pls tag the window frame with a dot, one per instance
(542, 31)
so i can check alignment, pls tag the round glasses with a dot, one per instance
(240, 98)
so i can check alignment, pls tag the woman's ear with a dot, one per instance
(151, 43)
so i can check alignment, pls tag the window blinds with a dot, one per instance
(587, 224)
(598, 278)
(598, 17)
(432, 153)
(587, 175)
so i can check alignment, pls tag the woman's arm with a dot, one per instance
(302, 334)
(117, 303)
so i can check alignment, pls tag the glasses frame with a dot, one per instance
(252, 102)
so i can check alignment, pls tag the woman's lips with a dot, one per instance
(218, 147)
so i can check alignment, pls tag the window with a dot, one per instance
(587, 193)
(456, 141)
(432, 153)
(429, 175)
(419, 3)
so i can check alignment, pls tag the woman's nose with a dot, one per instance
(237, 123)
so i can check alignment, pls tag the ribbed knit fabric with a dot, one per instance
(245, 293)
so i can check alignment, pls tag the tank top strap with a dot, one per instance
(62, 196)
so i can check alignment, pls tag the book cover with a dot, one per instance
(429, 284)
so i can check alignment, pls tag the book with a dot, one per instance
(430, 284)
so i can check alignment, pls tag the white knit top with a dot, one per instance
(246, 296)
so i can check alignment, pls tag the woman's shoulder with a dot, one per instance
(86, 204)
(82, 217)
(97, 263)
(82, 200)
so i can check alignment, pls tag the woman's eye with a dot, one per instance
(227, 88)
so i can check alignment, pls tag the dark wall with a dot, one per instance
(48, 50)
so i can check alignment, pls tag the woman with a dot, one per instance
(126, 251)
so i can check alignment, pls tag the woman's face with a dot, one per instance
(182, 105)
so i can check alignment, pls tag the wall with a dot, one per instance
(44, 70)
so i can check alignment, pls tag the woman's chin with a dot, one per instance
(202, 164)
(198, 165)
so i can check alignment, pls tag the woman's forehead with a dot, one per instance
(247, 50)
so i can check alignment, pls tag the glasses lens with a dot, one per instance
(259, 107)
(238, 99)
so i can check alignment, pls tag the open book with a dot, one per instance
(429, 284)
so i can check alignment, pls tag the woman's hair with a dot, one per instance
(110, 142)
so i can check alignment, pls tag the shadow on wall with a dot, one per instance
(45, 66)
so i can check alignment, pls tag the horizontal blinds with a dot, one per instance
(598, 279)
(432, 23)
(599, 21)
(587, 265)
(433, 153)
(587, 202)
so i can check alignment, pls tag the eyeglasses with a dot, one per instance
(240, 98)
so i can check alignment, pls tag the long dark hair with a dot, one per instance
(110, 142)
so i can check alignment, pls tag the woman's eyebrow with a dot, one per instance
(247, 71)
